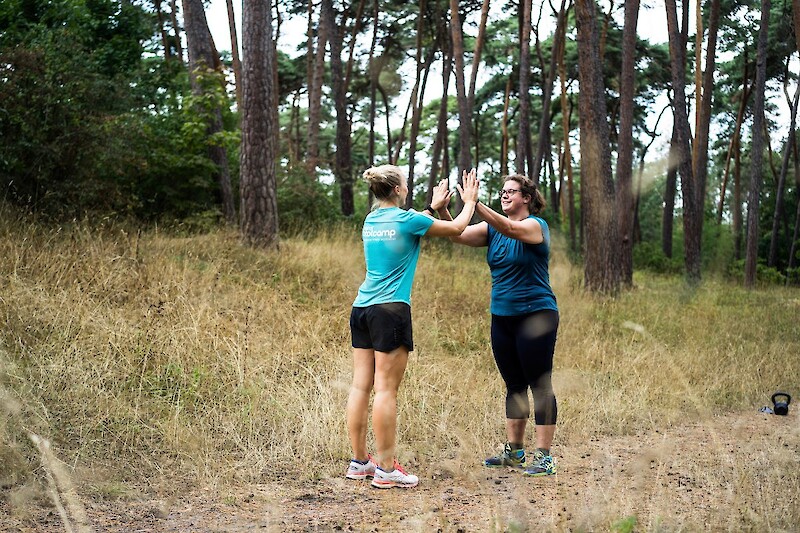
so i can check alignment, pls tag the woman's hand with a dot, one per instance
(441, 195)
(471, 185)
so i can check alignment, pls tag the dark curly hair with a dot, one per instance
(530, 189)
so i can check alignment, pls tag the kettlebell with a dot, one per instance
(781, 407)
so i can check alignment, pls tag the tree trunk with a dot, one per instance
(441, 128)
(165, 39)
(668, 216)
(547, 92)
(356, 29)
(176, 28)
(476, 56)
(504, 130)
(259, 151)
(203, 58)
(416, 118)
(237, 63)
(698, 74)
(756, 172)
(793, 247)
(777, 215)
(745, 96)
(604, 31)
(387, 116)
(704, 110)
(374, 72)
(524, 132)
(569, 210)
(737, 200)
(602, 245)
(625, 201)
(464, 113)
(315, 95)
(692, 219)
(796, 18)
(342, 166)
(416, 104)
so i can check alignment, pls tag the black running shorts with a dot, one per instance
(382, 327)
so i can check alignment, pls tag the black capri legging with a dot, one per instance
(523, 349)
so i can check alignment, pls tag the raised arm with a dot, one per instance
(475, 235)
(528, 230)
(469, 195)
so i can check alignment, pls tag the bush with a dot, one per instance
(649, 256)
(764, 274)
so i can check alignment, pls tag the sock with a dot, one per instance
(515, 446)
(545, 451)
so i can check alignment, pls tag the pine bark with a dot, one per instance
(441, 128)
(756, 172)
(237, 62)
(464, 115)
(668, 216)
(259, 149)
(601, 250)
(704, 109)
(524, 133)
(547, 92)
(342, 166)
(692, 218)
(625, 200)
(315, 94)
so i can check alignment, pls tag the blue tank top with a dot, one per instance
(520, 277)
(391, 250)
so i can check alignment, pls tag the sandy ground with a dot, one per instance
(730, 473)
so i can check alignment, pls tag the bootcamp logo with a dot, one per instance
(370, 234)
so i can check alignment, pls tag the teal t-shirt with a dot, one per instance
(520, 277)
(391, 250)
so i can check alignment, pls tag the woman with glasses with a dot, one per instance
(524, 317)
(380, 321)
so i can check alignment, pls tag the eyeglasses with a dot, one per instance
(508, 192)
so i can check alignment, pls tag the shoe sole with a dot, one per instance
(538, 474)
(391, 484)
(515, 467)
(358, 477)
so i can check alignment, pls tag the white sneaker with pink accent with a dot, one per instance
(396, 478)
(359, 470)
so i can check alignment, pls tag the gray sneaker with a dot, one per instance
(541, 465)
(509, 457)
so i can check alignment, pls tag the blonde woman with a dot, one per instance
(380, 321)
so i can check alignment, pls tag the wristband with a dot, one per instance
(429, 209)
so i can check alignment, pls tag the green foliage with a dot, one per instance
(764, 274)
(625, 525)
(650, 256)
(304, 204)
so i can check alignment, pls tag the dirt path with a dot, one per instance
(731, 473)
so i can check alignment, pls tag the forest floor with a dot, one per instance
(708, 476)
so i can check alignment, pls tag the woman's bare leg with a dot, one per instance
(389, 370)
(358, 400)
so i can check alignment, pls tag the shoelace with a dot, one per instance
(398, 467)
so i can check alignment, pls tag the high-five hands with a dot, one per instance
(441, 195)
(470, 187)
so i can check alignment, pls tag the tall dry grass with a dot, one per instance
(200, 359)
